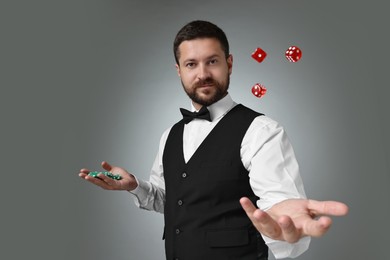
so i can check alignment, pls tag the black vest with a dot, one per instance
(203, 217)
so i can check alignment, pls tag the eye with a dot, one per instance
(213, 61)
(190, 65)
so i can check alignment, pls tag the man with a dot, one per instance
(217, 163)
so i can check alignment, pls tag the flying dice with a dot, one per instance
(259, 90)
(259, 55)
(293, 54)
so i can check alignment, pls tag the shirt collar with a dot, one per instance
(219, 108)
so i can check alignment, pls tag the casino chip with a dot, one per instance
(108, 174)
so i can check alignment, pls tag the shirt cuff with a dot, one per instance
(283, 249)
(141, 192)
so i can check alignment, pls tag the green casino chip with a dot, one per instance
(108, 174)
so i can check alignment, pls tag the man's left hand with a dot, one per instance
(293, 219)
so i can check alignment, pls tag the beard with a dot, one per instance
(220, 90)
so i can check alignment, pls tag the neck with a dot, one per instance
(199, 106)
(196, 105)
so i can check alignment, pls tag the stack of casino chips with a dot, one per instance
(108, 174)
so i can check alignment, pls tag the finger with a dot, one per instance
(290, 233)
(82, 175)
(106, 166)
(261, 220)
(257, 216)
(317, 228)
(97, 181)
(109, 181)
(248, 206)
(83, 172)
(333, 208)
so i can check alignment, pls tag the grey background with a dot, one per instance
(77, 77)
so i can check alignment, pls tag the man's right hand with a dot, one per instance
(127, 182)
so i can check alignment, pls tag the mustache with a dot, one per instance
(206, 81)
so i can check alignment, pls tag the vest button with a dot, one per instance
(180, 202)
(177, 231)
(184, 175)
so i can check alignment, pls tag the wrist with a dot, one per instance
(133, 183)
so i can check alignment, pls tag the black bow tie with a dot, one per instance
(202, 114)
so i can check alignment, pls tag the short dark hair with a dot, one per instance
(200, 29)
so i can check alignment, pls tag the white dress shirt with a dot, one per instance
(265, 152)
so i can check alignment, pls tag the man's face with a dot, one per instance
(204, 70)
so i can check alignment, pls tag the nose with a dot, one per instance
(203, 72)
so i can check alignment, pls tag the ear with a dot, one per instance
(230, 63)
(178, 70)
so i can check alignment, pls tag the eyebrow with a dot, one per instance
(207, 58)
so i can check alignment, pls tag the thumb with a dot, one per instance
(106, 166)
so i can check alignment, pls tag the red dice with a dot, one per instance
(293, 54)
(259, 55)
(259, 90)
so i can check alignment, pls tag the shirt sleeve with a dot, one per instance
(150, 195)
(274, 175)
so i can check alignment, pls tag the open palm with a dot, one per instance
(127, 182)
(292, 219)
